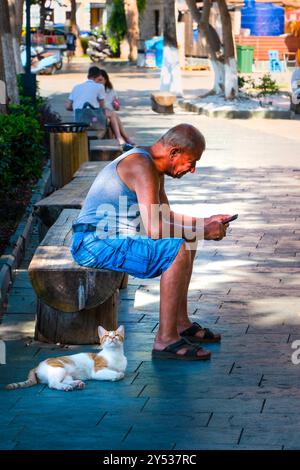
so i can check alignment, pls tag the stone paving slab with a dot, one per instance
(194, 436)
(20, 303)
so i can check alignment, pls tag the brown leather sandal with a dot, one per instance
(209, 336)
(170, 352)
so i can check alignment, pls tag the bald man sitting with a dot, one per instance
(126, 225)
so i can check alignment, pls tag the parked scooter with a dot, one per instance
(42, 61)
(98, 49)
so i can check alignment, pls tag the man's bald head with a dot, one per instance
(185, 137)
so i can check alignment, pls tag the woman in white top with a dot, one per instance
(112, 102)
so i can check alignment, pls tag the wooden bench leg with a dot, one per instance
(124, 283)
(54, 326)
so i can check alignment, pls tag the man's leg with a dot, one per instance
(173, 290)
(183, 319)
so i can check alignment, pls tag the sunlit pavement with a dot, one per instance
(246, 287)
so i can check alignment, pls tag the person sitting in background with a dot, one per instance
(92, 91)
(295, 84)
(111, 98)
(112, 101)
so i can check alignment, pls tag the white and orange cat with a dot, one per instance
(68, 372)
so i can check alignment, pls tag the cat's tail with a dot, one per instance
(31, 380)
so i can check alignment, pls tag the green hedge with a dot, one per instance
(21, 147)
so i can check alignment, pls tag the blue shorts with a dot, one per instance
(138, 256)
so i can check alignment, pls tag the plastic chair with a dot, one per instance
(274, 62)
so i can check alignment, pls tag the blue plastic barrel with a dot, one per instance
(159, 48)
(155, 46)
(263, 19)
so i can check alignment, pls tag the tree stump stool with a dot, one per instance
(162, 102)
(73, 300)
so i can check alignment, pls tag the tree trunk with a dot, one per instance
(230, 78)
(15, 10)
(222, 61)
(133, 32)
(210, 40)
(19, 4)
(170, 76)
(42, 15)
(7, 54)
(79, 50)
(3, 91)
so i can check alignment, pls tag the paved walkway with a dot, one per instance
(247, 287)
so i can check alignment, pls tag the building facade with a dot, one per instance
(89, 14)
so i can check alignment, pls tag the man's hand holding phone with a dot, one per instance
(216, 225)
(230, 219)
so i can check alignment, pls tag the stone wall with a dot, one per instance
(150, 18)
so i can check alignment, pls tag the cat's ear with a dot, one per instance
(121, 330)
(101, 331)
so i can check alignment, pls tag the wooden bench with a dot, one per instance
(104, 149)
(73, 300)
(70, 196)
(102, 145)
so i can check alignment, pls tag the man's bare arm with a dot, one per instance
(209, 228)
(156, 216)
(140, 175)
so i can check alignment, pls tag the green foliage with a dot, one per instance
(21, 149)
(241, 82)
(22, 140)
(245, 83)
(84, 43)
(267, 86)
(116, 28)
(141, 4)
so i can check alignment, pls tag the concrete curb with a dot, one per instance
(195, 107)
(15, 251)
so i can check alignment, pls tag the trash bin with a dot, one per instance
(68, 150)
(244, 58)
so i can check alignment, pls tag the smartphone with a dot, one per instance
(234, 217)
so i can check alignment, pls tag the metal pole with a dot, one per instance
(28, 40)
(28, 78)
